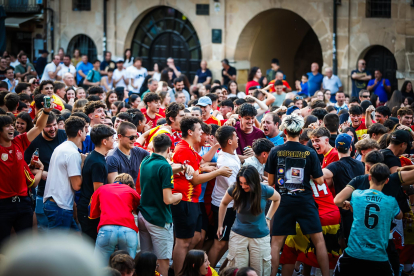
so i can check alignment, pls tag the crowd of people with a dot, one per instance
(283, 179)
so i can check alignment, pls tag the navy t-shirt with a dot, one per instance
(344, 170)
(202, 76)
(118, 162)
(358, 85)
(46, 149)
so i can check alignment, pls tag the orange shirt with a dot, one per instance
(272, 88)
(185, 154)
(213, 121)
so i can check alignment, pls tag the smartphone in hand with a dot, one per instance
(222, 235)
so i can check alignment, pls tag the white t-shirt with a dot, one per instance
(66, 69)
(137, 76)
(129, 63)
(117, 75)
(223, 183)
(51, 67)
(14, 63)
(64, 163)
(156, 76)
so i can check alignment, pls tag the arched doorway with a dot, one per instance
(379, 57)
(282, 34)
(165, 32)
(85, 45)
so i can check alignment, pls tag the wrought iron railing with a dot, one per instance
(21, 6)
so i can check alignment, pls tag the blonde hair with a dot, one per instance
(125, 178)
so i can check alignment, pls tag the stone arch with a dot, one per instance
(85, 44)
(281, 33)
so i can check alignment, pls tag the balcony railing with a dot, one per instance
(21, 6)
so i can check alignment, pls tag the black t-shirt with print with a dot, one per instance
(293, 164)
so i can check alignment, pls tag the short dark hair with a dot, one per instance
(374, 157)
(239, 101)
(38, 99)
(4, 85)
(262, 145)
(354, 100)
(81, 115)
(214, 129)
(377, 128)
(172, 110)
(206, 128)
(161, 143)
(73, 125)
(93, 98)
(95, 61)
(275, 118)
(93, 90)
(90, 107)
(319, 132)
(124, 116)
(24, 97)
(21, 86)
(45, 82)
(3, 95)
(57, 86)
(223, 134)
(355, 110)
(379, 173)
(278, 82)
(383, 110)
(244, 271)
(390, 124)
(228, 103)
(11, 101)
(4, 121)
(318, 103)
(213, 97)
(124, 126)
(179, 79)
(188, 123)
(100, 132)
(150, 97)
(247, 110)
(215, 88)
(331, 122)
(319, 112)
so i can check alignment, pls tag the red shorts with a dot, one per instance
(407, 254)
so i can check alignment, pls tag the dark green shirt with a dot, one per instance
(156, 175)
(21, 69)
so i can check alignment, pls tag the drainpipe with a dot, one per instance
(334, 55)
(104, 28)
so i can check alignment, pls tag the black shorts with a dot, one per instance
(186, 218)
(346, 224)
(204, 217)
(349, 266)
(304, 212)
(228, 221)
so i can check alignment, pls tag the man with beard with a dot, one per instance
(179, 86)
(50, 138)
(24, 68)
(270, 127)
(66, 67)
(52, 69)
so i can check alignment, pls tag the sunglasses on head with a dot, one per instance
(298, 98)
(132, 137)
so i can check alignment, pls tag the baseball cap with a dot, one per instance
(343, 141)
(401, 136)
(204, 101)
(291, 109)
(120, 60)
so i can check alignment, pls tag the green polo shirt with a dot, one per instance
(156, 175)
(20, 69)
(143, 94)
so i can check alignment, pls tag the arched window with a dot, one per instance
(166, 32)
(85, 45)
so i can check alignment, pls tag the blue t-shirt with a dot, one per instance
(85, 69)
(202, 76)
(248, 225)
(314, 82)
(305, 89)
(277, 140)
(202, 152)
(379, 89)
(373, 212)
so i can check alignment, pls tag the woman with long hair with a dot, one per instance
(111, 97)
(165, 101)
(167, 75)
(146, 264)
(134, 100)
(196, 264)
(80, 93)
(374, 99)
(407, 89)
(250, 232)
(253, 79)
(397, 100)
(70, 96)
(113, 231)
(408, 101)
(128, 59)
(23, 122)
(77, 57)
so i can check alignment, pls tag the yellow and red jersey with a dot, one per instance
(213, 121)
(175, 136)
(154, 121)
(185, 154)
(59, 106)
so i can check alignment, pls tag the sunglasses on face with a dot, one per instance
(365, 96)
(132, 137)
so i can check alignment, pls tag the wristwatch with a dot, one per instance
(268, 218)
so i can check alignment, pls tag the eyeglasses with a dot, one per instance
(132, 137)
(298, 98)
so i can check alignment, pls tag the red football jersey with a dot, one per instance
(154, 121)
(12, 168)
(213, 121)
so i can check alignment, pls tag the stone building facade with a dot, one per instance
(297, 32)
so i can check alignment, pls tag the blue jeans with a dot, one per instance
(42, 222)
(57, 217)
(109, 236)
